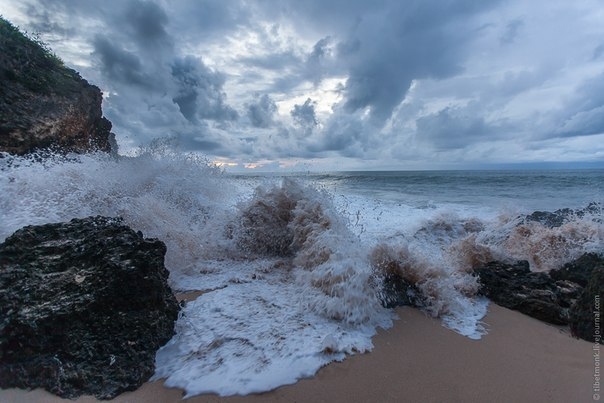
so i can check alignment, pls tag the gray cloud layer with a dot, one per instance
(385, 81)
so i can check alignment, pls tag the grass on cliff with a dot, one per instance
(30, 62)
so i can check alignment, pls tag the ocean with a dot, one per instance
(290, 265)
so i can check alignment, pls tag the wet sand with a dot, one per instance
(520, 359)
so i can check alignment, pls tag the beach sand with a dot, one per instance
(520, 359)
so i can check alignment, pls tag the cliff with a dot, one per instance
(44, 104)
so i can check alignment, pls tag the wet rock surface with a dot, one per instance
(514, 286)
(84, 306)
(396, 291)
(566, 296)
(560, 217)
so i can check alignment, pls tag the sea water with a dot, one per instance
(291, 266)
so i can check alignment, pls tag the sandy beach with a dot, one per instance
(520, 359)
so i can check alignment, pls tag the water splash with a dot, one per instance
(291, 273)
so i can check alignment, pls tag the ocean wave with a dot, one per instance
(292, 274)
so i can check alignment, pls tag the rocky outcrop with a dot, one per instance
(586, 315)
(561, 216)
(514, 286)
(579, 270)
(45, 105)
(84, 306)
(566, 296)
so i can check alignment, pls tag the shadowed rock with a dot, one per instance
(570, 295)
(514, 286)
(84, 306)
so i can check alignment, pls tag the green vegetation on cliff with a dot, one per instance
(30, 62)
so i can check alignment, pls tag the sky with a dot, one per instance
(341, 84)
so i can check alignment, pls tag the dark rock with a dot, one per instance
(550, 219)
(44, 104)
(396, 291)
(561, 216)
(514, 286)
(394, 272)
(84, 306)
(579, 270)
(586, 314)
(569, 295)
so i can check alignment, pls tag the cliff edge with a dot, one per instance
(44, 104)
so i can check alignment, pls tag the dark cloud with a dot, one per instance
(194, 143)
(321, 50)
(344, 135)
(598, 51)
(304, 115)
(262, 111)
(42, 22)
(452, 128)
(390, 48)
(584, 113)
(320, 61)
(512, 29)
(210, 18)
(199, 91)
(297, 66)
(145, 21)
(120, 65)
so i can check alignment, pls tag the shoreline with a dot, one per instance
(520, 359)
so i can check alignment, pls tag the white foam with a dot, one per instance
(254, 336)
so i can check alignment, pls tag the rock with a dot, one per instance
(84, 306)
(538, 295)
(396, 291)
(569, 295)
(549, 219)
(44, 104)
(393, 268)
(579, 270)
(561, 216)
(586, 314)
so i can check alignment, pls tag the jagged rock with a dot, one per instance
(561, 216)
(514, 286)
(44, 104)
(579, 270)
(549, 219)
(562, 296)
(84, 306)
(586, 316)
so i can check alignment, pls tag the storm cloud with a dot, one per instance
(347, 84)
(261, 112)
